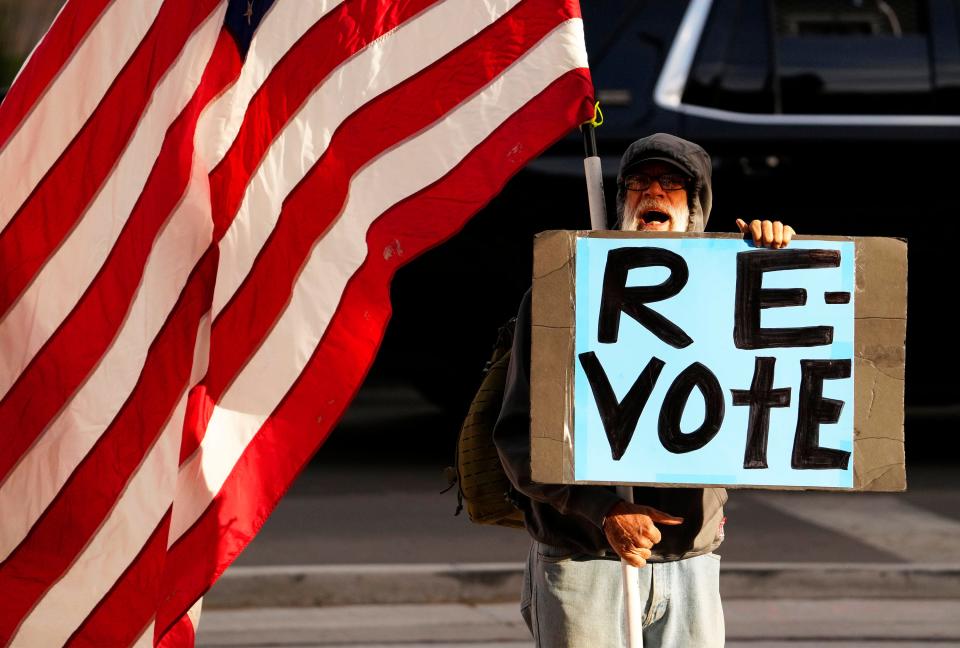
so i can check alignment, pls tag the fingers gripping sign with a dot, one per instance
(631, 530)
(771, 234)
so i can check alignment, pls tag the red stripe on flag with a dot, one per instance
(352, 26)
(67, 32)
(331, 41)
(130, 604)
(199, 410)
(67, 358)
(302, 422)
(61, 198)
(385, 121)
(181, 635)
(88, 496)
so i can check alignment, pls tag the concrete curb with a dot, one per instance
(323, 585)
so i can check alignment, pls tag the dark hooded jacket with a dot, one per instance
(571, 517)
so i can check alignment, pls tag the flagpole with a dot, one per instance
(594, 174)
(598, 221)
(631, 589)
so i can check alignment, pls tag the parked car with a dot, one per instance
(836, 116)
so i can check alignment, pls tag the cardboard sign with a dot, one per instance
(692, 360)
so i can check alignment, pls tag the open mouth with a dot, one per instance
(654, 216)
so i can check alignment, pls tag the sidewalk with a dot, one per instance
(371, 556)
(354, 513)
(755, 623)
(485, 583)
(354, 534)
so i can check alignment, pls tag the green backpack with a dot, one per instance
(482, 484)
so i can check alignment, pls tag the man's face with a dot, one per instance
(654, 208)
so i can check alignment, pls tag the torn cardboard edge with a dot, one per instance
(879, 356)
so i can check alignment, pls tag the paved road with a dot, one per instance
(386, 514)
(753, 623)
(355, 505)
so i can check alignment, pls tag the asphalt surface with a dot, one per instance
(755, 623)
(367, 498)
(338, 514)
(367, 518)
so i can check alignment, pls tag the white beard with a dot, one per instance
(679, 216)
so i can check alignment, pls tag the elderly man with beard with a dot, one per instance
(573, 595)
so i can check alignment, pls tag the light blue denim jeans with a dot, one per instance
(576, 601)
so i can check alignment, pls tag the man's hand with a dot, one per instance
(773, 234)
(631, 531)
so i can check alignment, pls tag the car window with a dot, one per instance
(871, 57)
(732, 67)
(627, 43)
(853, 56)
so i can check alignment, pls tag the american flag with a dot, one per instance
(202, 204)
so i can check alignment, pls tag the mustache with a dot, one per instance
(648, 204)
(631, 220)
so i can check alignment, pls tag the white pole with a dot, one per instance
(594, 174)
(598, 221)
(631, 589)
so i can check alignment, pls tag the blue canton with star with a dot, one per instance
(243, 18)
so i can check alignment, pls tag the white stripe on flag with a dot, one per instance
(393, 176)
(70, 100)
(125, 530)
(46, 466)
(410, 48)
(117, 542)
(40, 311)
(194, 614)
(281, 28)
(145, 640)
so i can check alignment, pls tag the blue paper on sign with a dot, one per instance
(704, 310)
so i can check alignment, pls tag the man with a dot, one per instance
(573, 586)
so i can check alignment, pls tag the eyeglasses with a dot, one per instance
(667, 181)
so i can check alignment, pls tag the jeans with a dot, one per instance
(576, 601)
